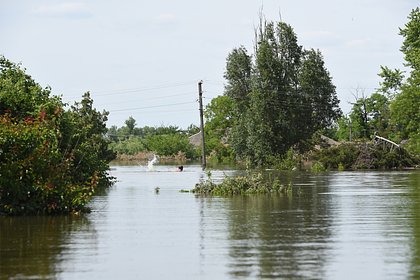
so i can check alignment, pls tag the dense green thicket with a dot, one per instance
(163, 140)
(363, 155)
(51, 159)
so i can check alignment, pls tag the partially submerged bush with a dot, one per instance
(318, 167)
(343, 155)
(251, 183)
(363, 155)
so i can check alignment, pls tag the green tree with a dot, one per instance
(83, 139)
(369, 116)
(218, 116)
(405, 108)
(378, 114)
(192, 129)
(170, 145)
(320, 105)
(280, 98)
(411, 44)
(238, 88)
(392, 80)
(131, 124)
(21, 96)
(219, 122)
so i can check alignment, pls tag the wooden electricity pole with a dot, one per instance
(203, 143)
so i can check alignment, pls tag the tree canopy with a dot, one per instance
(279, 96)
(393, 111)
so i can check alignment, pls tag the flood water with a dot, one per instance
(342, 225)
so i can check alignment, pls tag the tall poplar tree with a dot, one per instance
(282, 94)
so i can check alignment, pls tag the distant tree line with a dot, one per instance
(162, 140)
(52, 157)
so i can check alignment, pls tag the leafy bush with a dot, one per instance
(318, 167)
(51, 160)
(35, 178)
(343, 155)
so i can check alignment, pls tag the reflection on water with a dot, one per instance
(343, 225)
(278, 236)
(414, 183)
(31, 247)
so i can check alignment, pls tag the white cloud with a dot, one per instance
(70, 10)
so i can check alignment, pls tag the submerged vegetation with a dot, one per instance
(276, 104)
(363, 155)
(250, 183)
(52, 159)
(278, 100)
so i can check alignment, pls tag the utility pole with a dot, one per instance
(203, 143)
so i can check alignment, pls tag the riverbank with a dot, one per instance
(145, 157)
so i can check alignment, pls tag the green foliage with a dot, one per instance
(344, 129)
(20, 95)
(83, 139)
(343, 155)
(130, 123)
(219, 152)
(192, 129)
(394, 110)
(405, 112)
(369, 116)
(251, 183)
(363, 155)
(411, 44)
(51, 160)
(318, 167)
(219, 120)
(170, 144)
(289, 161)
(130, 146)
(392, 81)
(163, 140)
(218, 116)
(405, 109)
(280, 98)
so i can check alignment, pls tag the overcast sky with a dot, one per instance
(144, 58)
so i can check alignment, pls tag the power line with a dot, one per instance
(148, 107)
(163, 112)
(150, 99)
(140, 89)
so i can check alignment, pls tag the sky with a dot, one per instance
(145, 58)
